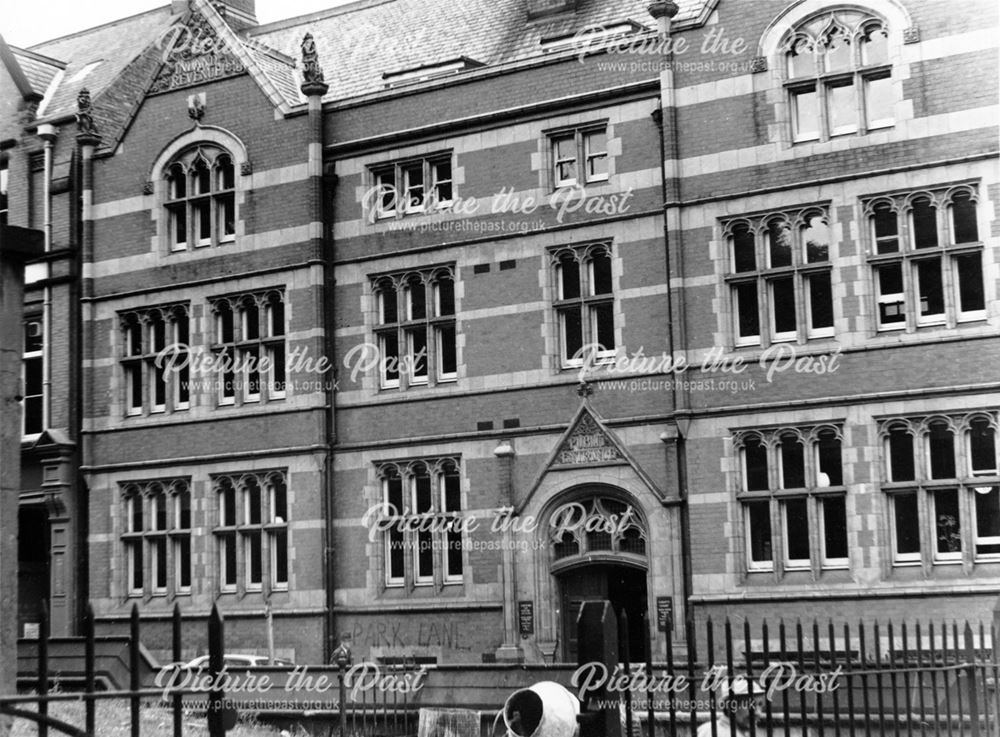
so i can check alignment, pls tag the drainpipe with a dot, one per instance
(314, 88)
(663, 11)
(47, 132)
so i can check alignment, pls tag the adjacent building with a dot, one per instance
(414, 325)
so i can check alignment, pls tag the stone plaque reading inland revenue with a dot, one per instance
(587, 444)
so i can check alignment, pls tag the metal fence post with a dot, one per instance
(216, 645)
(970, 657)
(342, 657)
(43, 666)
(89, 676)
(133, 666)
(176, 654)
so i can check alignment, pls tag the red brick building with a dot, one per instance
(452, 204)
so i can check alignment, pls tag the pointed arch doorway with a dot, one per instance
(599, 551)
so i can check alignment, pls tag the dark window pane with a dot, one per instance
(987, 520)
(572, 330)
(963, 214)
(797, 529)
(418, 353)
(779, 238)
(229, 561)
(569, 278)
(204, 220)
(793, 470)
(279, 503)
(416, 295)
(447, 357)
(183, 553)
(160, 562)
(907, 524)
(835, 527)
(783, 307)
(820, 302)
(600, 270)
(387, 305)
(394, 496)
(747, 310)
(604, 326)
(452, 492)
(425, 555)
(184, 510)
(33, 336)
(982, 448)
(931, 288)
(445, 297)
(886, 229)
(744, 249)
(225, 319)
(396, 554)
(828, 452)
(277, 355)
(970, 282)
(136, 514)
(137, 564)
(901, 465)
(454, 554)
(422, 490)
(891, 302)
(229, 505)
(33, 376)
(279, 543)
(924, 224)
(941, 444)
(160, 511)
(390, 356)
(947, 529)
(755, 454)
(253, 499)
(759, 522)
(255, 558)
(227, 215)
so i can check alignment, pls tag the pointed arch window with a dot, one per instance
(792, 482)
(780, 276)
(423, 537)
(415, 327)
(249, 347)
(584, 303)
(838, 75)
(943, 488)
(155, 372)
(201, 198)
(156, 536)
(926, 257)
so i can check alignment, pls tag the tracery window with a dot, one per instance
(422, 522)
(838, 75)
(201, 198)
(792, 481)
(942, 483)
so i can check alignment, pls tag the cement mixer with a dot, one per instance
(546, 709)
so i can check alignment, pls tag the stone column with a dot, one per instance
(510, 650)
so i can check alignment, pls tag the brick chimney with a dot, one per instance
(541, 8)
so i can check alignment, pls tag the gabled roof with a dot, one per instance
(115, 45)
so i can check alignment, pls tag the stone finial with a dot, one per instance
(86, 130)
(584, 389)
(312, 73)
(196, 107)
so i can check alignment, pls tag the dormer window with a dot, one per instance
(201, 199)
(838, 76)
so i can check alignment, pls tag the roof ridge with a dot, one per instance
(39, 57)
(84, 31)
(298, 20)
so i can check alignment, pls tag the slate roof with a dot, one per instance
(115, 44)
(357, 44)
